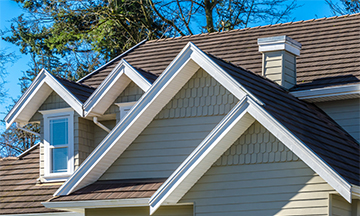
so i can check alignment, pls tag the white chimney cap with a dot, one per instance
(279, 43)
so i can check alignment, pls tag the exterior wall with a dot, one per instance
(131, 93)
(258, 175)
(346, 113)
(280, 66)
(100, 134)
(83, 139)
(142, 211)
(175, 132)
(339, 206)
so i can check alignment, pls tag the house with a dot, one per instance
(257, 121)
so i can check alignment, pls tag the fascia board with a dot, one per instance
(355, 191)
(164, 88)
(97, 203)
(104, 87)
(25, 98)
(121, 69)
(219, 74)
(67, 96)
(199, 161)
(327, 92)
(301, 150)
(116, 58)
(136, 77)
(42, 78)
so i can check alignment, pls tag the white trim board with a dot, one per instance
(188, 61)
(329, 93)
(112, 86)
(49, 214)
(36, 94)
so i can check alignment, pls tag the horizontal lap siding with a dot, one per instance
(142, 211)
(161, 148)
(340, 207)
(259, 187)
(176, 131)
(346, 113)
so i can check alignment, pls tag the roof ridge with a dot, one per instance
(256, 27)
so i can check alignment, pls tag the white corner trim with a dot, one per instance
(301, 150)
(42, 78)
(207, 152)
(123, 70)
(355, 190)
(114, 59)
(111, 203)
(328, 93)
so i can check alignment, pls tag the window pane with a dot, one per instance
(59, 160)
(59, 132)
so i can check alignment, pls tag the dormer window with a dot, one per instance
(124, 108)
(58, 143)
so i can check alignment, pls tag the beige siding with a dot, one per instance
(283, 185)
(280, 66)
(339, 206)
(175, 132)
(142, 211)
(346, 113)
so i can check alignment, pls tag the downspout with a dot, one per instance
(26, 130)
(95, 120)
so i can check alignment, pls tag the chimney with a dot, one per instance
(279, 59)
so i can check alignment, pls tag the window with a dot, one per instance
(58, 143)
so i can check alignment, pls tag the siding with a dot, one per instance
(346, 113)
(99, 133)
(339, 206)
(142, 211)
(283, 185)
(175, 132)
(131, 93)
(280, 66)
(83, 140)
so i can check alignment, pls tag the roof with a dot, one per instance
(332, 55)
(19, 193)
(80, 91)
(306, 121)
(115, 189)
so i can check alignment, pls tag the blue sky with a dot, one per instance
(10, 9)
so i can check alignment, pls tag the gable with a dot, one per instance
(258, 175)
(175, 132)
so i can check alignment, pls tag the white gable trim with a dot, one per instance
(198, 162)
(180, 70)
(112, 86)
(36, 94)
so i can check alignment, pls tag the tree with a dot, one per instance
(344, 6)
(184, 16)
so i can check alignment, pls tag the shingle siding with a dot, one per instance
(142, 211)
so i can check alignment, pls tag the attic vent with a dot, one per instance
(279, 59)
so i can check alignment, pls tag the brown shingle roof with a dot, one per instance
(115, 189)
(330, 50)
(80, 91)
(311, 125)
(19, 193)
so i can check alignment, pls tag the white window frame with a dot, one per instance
(58, 114)
(125, 106)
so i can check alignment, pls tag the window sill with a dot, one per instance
(55, 178)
